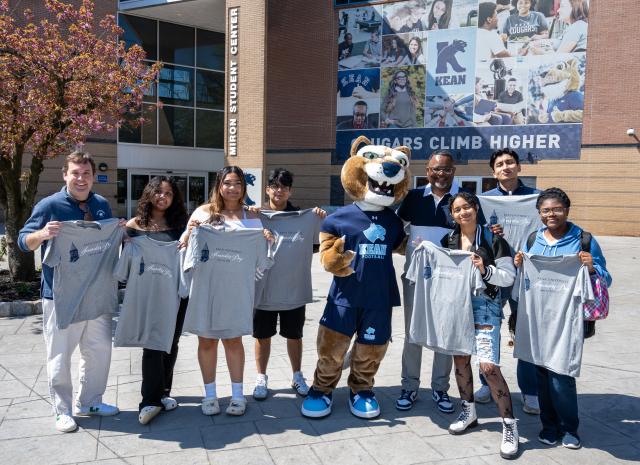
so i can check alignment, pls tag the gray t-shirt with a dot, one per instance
(517, 27)
(223, 266)
(83, 257)
(148, 315)
(442, 317)
(516, 213)
(287, 285)
(551, 292)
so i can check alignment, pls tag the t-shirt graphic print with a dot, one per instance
(445, 280)
(222, 266)
(551, 292)
(83, 257)
(151, 269)
(517, 214)
(287, 284)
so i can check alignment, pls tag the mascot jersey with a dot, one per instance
(372, 235)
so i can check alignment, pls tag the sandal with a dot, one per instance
(237, 407)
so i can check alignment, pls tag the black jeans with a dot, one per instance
(157, 366)
(558, 400)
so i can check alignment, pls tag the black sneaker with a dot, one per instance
(441, 398)
(406, 400)
(548, 438)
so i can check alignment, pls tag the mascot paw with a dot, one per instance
(334, 258)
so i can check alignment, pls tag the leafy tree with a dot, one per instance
(61, 78)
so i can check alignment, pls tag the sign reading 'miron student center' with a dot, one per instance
(468, 76)
(232, 83)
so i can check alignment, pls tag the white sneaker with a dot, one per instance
(299, 383)
(466, 419)
(510, 439)
(65, 423)
(169, 403)
(101, 410)
(482, 395)
(530, 405)
(148, 413)
(261, 390)
(210, 406)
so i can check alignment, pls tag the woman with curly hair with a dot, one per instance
(161, 215)
(400, 104)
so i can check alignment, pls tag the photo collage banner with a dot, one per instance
(466, 76)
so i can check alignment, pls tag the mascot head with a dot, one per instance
(376, 174)
(561, 79)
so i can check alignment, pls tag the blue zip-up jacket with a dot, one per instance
(59, 207)
(569, 244)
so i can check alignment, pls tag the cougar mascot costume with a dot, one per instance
(356, 244)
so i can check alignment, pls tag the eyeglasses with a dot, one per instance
(549, 211)
(441, 170)
(275, 187)
(85, 209)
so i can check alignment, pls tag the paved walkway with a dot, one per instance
(273, 432)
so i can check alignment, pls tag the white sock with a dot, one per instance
(236, 391)
(210, 390)
(261, 377)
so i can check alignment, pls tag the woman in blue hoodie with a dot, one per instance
(557, 393)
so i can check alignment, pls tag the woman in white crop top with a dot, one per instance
(225, 210)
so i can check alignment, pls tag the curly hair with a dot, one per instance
(554, 193)
(390, 99)
(216, 202)
(176, 215)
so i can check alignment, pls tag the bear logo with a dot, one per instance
(370, 334)
(374, 232)
(447, 55)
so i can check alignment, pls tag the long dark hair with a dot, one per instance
(443, 22)
(390, 99)
(216, 202)
(175, 216)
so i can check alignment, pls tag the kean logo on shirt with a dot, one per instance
(74, 256)
(370, 334)
(375, 232)
(204, 255)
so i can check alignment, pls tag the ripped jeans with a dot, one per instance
(487, 316)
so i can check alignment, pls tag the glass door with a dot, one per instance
(192, 186)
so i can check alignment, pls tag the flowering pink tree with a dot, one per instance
(61, 79)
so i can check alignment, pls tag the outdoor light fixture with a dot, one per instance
(631, 132)
(103, 167)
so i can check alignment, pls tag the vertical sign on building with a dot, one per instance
(232, 84)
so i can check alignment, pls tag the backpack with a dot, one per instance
(599, 308)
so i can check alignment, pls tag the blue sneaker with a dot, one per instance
(364, 404)
(317, 404)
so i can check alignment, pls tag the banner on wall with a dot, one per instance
(463, 75)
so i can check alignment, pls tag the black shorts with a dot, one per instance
(291, 323)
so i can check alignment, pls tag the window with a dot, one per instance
(210, 49)
(190, 86)
(177, 44)
(175, 126)
(140, 31)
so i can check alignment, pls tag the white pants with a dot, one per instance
(94, 339)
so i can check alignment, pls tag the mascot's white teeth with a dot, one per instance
(380, 188)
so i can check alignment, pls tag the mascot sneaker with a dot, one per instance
(364, 404)
(466, 419)
(317, 404)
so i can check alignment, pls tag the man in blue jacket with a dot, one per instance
(75, 201)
